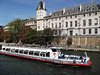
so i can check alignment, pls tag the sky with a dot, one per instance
(23, 9)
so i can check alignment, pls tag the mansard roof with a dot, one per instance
(30, 20)
(40, 6)
(76, 10)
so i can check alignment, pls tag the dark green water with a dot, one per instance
(19, 66)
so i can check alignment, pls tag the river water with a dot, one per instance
(20, 66)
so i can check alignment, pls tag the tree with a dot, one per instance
(39, 38)
(6, 36)
(36, 37)
(16, 28)
(24, 34)
(1, 35)
(48, 35)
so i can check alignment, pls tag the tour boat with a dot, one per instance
(52, 54)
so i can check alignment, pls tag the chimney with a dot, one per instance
(80, 7)
(91, 1)
(29, 18)
(64, 10)
(50, 13)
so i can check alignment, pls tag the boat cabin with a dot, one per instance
(43, 52)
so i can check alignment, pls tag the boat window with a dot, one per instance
(8, 49)
(0, 47)
(43, 54)
(21, 51)
(54, 50)
(3, 48)
(16, 51)
(13, 50)
(31, 52)
(37, 53)
(48, 54)
(26, 52)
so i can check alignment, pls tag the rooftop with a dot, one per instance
(41, 6)
(76, 10)
(30, 19)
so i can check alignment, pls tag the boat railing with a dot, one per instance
(24, 46)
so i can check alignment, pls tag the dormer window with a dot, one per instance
(70, 16)
(46, 19)
(83, 15)
(87, 6)
(75, 16)
(59, 18)
(95, 8)
(87, 9)
(96, 13)
(89, 14)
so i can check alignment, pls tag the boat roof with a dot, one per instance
(29, 48)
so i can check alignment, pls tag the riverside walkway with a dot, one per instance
(85, 49)
(79, 48)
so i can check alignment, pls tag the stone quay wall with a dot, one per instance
(81, 41)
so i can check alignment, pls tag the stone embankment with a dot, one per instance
(87, 49)
(84, 49)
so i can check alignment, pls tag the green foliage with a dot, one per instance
(6, 36)
(18, 32)
(38, 37)
(31, 36)
(16, 27)
(23, 35)
(1, 35)
(48, 35)
(35, 37)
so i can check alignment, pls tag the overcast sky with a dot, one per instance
(23, 9)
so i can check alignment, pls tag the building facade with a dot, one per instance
(81, 23)
(31, 22)
(78, 20)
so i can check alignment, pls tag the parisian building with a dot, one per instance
(81, 23)
(31, 22)
(78, 20)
